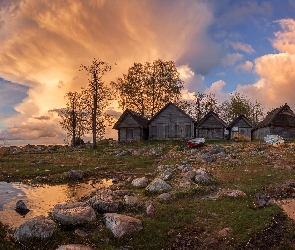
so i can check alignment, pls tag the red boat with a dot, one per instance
(196, 142)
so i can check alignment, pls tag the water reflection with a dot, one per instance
(40, 199)
(288, 205)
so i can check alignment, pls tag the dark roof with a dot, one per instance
(239, 118)
(166, 106)
(282, 116)
(211, 113)
(142, 121)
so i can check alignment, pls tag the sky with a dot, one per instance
(218, 46)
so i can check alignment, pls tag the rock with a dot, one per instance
(158, 185)
(4, 151)
(140, 182)
(131, 200)
(235, 193)
(150, 210)
(74, 247)
(105, 200)
(202, 177)
(189, 174)
(80, 233)
(75, 174)
(166, 176)
(164, 197)
(21, 208)
(39, 227)
(122, 225)
(224, 232)
(73, 213)
(262, 200)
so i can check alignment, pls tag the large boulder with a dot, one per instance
(158, 186)
(73, 213)
(122, 225)
(105, 201)
(140, 182)
(74, 247)
(39, 227)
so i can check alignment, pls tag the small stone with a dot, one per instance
(131, 200)
(74, 247)
(80, 233)
(164, 197)
(158, 185)
(140, 182)
(224, 232)
(21, 208)
(122, 225)
(150, 210)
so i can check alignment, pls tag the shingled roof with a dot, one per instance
(142, 121)
(282, 116)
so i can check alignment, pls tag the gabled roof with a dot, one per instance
(165, 107)
(239, 118)
(211, 113)
(142, 121)
(282, 116)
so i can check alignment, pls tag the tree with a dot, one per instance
(96, 97)
(239, 104)
(200, 105)
(147, 87)
(73, 117)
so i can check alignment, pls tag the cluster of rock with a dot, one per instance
(108, 202)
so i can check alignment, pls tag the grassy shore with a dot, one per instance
(188, 220)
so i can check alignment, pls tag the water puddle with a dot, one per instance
(288, 205)
(40, 199)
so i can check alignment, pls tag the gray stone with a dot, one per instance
(74, 247)
(21, 208)
(105, 200)
(75, 174)
(164, 197)
(122, 225)
(39, 227)
(158, 185)
(131, 200)
(73, 213)
(150, 210)
(140, 182)
(202, 177)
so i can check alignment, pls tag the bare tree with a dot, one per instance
(96, 98)
(73, 117)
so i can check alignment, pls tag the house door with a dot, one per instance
(163, 130)
(129, 134)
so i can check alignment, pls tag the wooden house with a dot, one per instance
(171, 122)
(211, 127)
(241, 125)
(280, 121)
(131, 127)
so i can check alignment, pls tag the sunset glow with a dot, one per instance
(218, 47)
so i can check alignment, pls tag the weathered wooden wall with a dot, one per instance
(243, 129)
(129, 130)
(211, 128)
(284, 132)
(171, 123)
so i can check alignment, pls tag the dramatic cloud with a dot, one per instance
(243, 47)
(285, 40)
(43, 43)
(245, 66)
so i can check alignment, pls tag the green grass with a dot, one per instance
(243, 170)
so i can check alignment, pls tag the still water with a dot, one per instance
(40, 199)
